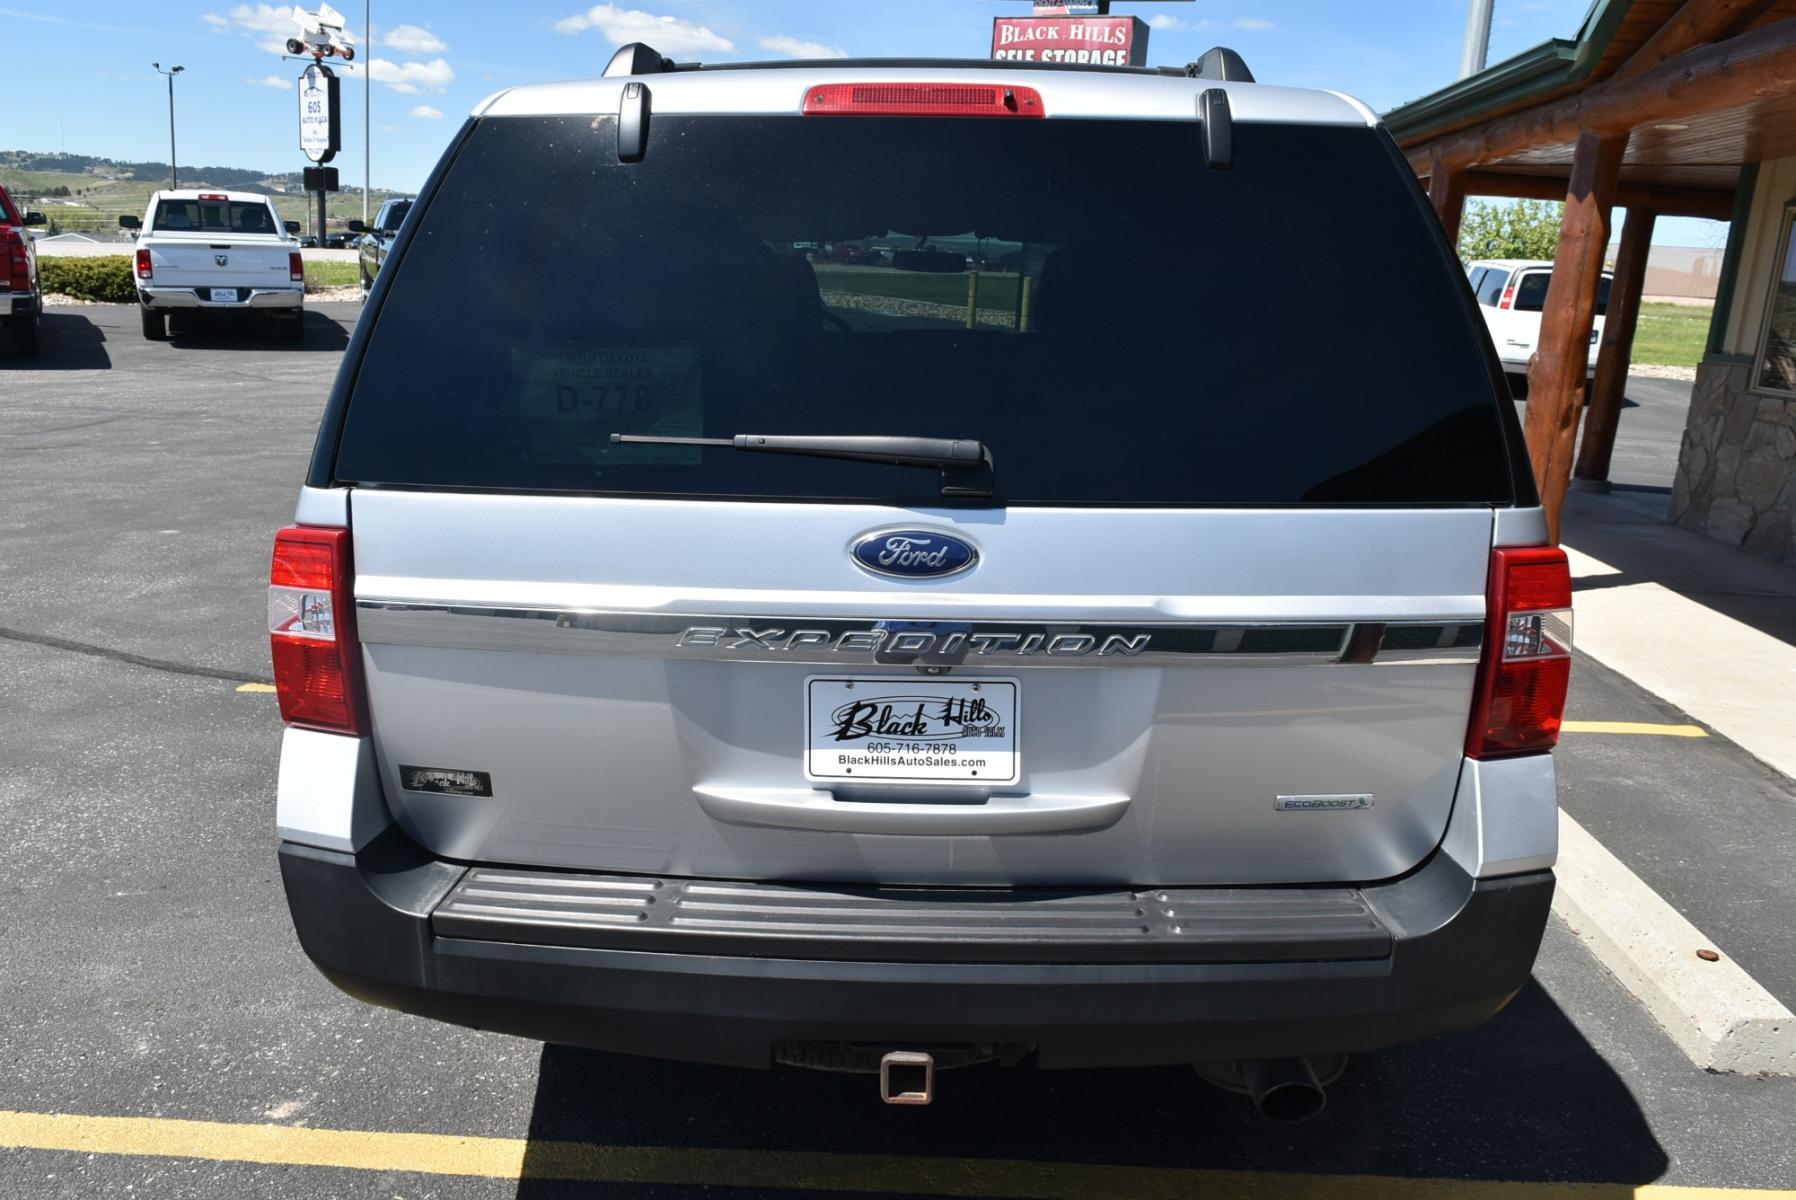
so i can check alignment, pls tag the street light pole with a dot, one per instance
(1477, 38)
(367, 108)
(174, 177)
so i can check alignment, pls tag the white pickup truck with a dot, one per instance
(217, 252)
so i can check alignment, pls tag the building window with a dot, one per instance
(1777, 353)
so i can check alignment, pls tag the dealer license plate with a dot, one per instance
(224, 295)
(891, 729)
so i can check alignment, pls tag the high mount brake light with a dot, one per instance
(1526, 666)
(213, 196)
(922, 100)
(311, 630)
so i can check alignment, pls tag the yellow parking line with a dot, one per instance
(1689, 731)
(256, 687)
(682, 1166)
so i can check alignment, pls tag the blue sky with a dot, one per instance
(80, 76)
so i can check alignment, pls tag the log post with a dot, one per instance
(1446, 191)
(1617, 352)
(1557, 372)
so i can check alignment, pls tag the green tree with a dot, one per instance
(1510, 229)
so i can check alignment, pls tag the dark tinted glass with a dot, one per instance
(1143, 330)
(214, 216)
(394, 215)
(1531, 295)
(7, 217)
(1491, 290)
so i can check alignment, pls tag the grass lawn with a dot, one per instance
(997, 292)
(331, 274)
(1671, 335)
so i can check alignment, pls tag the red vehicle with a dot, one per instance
(21, 300)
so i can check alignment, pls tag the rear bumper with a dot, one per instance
(1448, 953)
(253, 298)
(19, 304)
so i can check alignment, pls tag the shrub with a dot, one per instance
(106, 279)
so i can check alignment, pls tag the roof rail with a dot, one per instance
(638, 58)
(1219, 62)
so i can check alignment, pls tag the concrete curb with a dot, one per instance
(1716, 1013)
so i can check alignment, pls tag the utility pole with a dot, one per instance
(1477, 38)
(174, 176)
(367, 107)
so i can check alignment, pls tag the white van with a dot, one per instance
(1511, 294)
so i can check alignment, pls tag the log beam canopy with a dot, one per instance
(1698, 23)
(1556, 373)
(1617, 352)
(1665, 199)
(1446, 192)
(1722, 75)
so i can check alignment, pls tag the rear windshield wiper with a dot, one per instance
(966, 464)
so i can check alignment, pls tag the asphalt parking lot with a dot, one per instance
(150, 978)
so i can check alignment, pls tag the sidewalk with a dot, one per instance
(1707, 627)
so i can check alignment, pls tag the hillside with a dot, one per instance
(83, 194)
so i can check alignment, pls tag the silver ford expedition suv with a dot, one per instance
(908, 563)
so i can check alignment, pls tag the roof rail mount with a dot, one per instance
(633, 123)
(638, 58)
(1218, 62)
(1219, 128)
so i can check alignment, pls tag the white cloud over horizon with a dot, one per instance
(793, 47)
(426, 112)
(669, 35)
(412, 77)
(273, 81)
(414, 40)
(1187, 24)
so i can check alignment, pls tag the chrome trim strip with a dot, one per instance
(920, 642)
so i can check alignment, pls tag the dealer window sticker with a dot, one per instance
(573, 397)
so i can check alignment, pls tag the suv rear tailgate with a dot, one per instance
(1293, 653)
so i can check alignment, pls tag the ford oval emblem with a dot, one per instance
(913, 553)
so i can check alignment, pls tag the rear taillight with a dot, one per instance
(18, 260)
(1520, 700)
(144, 269)
(311, 628)
(922, 100)
(1508, 297)
(296, 269)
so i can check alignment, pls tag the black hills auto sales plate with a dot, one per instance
(897, 730)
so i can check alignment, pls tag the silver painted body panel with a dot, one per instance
(328, 507)
(1506, 816)
(328, 795)
(1072, 93)
(633, 756)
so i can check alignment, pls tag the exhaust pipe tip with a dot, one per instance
(1285, 1091)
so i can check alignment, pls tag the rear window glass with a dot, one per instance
(1116, 322)
(1490, 290)
(7, 216)
(214, 216)
(1531, 293)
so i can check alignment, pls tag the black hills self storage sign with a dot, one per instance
(1110, 41)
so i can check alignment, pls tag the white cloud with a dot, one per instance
(793, 47)
(670, 35)
(1176, 24)
(1253, 25)
(412, 77)
(267, 25)
(1162, 21)
(273, 81)
(425, 112)
(414, 40)
(219, 24)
